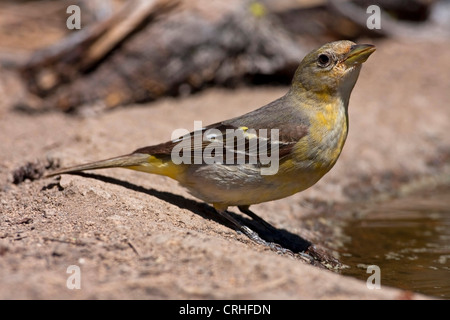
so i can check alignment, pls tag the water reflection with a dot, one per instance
(409, 239)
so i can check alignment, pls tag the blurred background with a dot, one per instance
(137, 51)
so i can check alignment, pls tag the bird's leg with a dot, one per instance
(252, 234)
(243, 228)
(272, 229)
(254, 216)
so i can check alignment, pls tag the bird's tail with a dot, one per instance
(136, 161)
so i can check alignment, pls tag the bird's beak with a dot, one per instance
(358, 54)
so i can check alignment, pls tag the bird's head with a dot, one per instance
(332, 69)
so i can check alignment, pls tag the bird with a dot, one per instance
(236, 162)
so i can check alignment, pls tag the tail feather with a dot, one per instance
(130, 160)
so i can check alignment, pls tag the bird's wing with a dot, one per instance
(274, 127)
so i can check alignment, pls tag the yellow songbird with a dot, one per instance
(308, 128)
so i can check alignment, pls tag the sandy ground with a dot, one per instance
(141, 236)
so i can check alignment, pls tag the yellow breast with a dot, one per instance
(320, 149)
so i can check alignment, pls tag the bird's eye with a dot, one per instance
(323, 60)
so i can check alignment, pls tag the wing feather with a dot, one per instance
(249, 132)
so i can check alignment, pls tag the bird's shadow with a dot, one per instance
(269, 233)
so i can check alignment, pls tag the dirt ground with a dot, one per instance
(135, 235)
